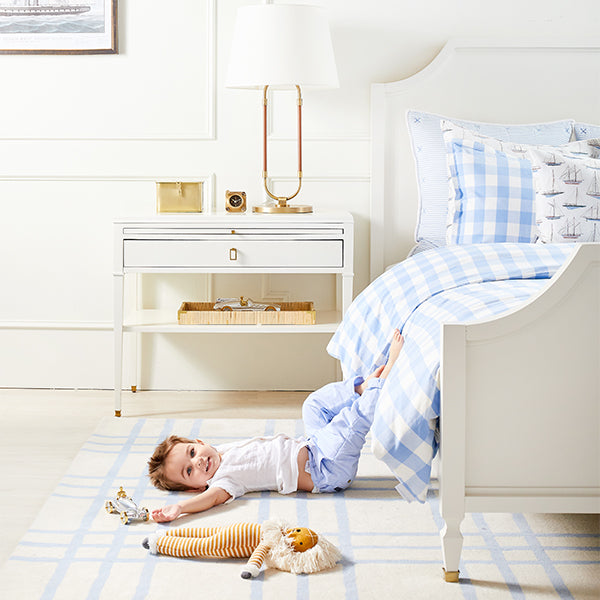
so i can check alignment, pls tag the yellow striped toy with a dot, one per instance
(274, 543)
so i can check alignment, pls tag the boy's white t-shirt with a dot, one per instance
(260, 463)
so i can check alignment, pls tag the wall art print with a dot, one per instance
(58, 26)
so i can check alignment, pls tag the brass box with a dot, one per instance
(179, 196)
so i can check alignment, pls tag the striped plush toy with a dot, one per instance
(293, 549)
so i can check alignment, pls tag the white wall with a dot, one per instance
(84, 138)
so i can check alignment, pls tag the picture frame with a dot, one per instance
(58, 27)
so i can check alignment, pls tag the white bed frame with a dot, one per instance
(520, 411)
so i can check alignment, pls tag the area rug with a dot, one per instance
(75, 550)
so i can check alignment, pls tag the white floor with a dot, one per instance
(42, 430)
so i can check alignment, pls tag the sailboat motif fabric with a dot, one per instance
(565, 181)
(567, 195)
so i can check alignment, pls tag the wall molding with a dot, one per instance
(57, 325)
(208, 181)
(316, 179)
(328, 137)
(358, 136)
(322, 178)
(211, 98)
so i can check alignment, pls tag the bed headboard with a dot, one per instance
(489, 81)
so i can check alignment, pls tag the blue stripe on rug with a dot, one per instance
(119, 535)
(94, 508)
(143, 586)
(498, 558)
(345, 541)
(542, 558)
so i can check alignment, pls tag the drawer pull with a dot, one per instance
(232, 253)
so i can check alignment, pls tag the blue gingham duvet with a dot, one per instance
(451, 284)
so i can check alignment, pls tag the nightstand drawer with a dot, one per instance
(234, 253)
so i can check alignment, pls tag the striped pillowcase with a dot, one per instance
(494, 199)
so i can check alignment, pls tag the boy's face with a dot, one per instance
(192, 464)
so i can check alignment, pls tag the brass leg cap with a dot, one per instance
(117, 413)
(134, 388)
(451, 576)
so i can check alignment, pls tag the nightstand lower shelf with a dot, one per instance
(162, 321)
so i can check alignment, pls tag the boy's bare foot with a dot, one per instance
(395, 347)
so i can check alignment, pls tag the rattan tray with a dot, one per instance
(202, 313)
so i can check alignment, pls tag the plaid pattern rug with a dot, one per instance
(76, 550)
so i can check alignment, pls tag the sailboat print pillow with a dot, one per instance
(567, 195)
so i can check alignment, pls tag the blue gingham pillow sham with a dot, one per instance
(494, 199)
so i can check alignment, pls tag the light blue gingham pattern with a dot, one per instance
(455, 283)
(494, 197)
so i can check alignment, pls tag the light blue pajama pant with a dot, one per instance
(336, 421)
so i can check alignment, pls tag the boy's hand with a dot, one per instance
(166, 513)
(363, 386)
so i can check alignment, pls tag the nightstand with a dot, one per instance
(224, 243)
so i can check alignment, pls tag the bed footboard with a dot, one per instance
(520, 408)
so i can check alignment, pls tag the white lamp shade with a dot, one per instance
(281, 45)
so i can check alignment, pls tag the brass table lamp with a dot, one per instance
(281, 46)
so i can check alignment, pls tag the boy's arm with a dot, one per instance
(359, 389)
(213, 496)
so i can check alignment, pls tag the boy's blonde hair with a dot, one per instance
(156, 464)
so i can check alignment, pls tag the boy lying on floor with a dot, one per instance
(336, 417)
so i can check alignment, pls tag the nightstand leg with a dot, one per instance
(118, 340)
(347, 281)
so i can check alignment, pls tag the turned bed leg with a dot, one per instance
(453, 435)
(452, 541)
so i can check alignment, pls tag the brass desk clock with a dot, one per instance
(235, 201)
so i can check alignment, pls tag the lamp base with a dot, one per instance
(278, 209)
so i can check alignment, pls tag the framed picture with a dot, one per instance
(58, 26)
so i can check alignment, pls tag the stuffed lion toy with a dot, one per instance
(274, 543)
